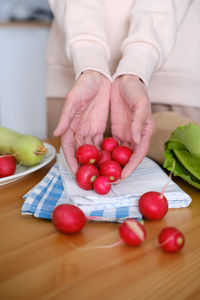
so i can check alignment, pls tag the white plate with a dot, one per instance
(22, 171)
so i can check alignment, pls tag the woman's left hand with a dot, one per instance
(131, 119)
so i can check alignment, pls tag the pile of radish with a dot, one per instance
(99, 169)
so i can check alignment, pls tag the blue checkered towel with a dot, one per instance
(59, 186)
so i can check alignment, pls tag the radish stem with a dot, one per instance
(170, 177)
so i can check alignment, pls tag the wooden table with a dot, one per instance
(37, 262)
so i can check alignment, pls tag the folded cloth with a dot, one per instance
(184, 148)
(59, 186)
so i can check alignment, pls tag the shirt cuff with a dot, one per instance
(87, 55)
(139, 58)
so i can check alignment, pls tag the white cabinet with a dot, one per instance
(22, 78)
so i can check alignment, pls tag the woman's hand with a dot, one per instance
(84, 115)
(131, 120)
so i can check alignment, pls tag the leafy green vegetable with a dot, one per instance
(184, 147)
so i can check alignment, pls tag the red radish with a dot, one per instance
(104, 155)
(153, 205)
(132, 232)
(7, 165)
(102, 185)
(111, 169)
(68, 218)
(109, 144)
(171, 239)
(122, 154)
(86, 175)
(86, 154)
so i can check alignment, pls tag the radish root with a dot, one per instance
(105, 219)
(97, 247)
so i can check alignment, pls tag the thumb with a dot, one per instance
(66, 117)
(137, 126)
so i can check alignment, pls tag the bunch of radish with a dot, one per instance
(99, 169)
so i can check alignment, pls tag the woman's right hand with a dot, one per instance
(84, 115)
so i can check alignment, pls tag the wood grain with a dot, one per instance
(37, 262)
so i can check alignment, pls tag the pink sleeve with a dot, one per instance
(152, 35)
(82, 22)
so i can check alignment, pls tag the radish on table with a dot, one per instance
(68, 218)
(171, 239)
(132, 232)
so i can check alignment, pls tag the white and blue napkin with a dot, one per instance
(59, 186)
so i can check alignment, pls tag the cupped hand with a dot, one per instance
(84, 115)
(131, 119)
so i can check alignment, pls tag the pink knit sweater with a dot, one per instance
(158, 40)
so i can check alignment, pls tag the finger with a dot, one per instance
(97, 140)
(88, 140)
(128, 144)
(68, 145)
(67, 115)
(117, 139)
(140, 150)
(79, 140)
(138, 121)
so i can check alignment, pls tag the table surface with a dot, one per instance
(38, 262)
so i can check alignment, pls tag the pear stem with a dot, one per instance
(41, 150)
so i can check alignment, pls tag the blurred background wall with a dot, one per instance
(24, 29)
